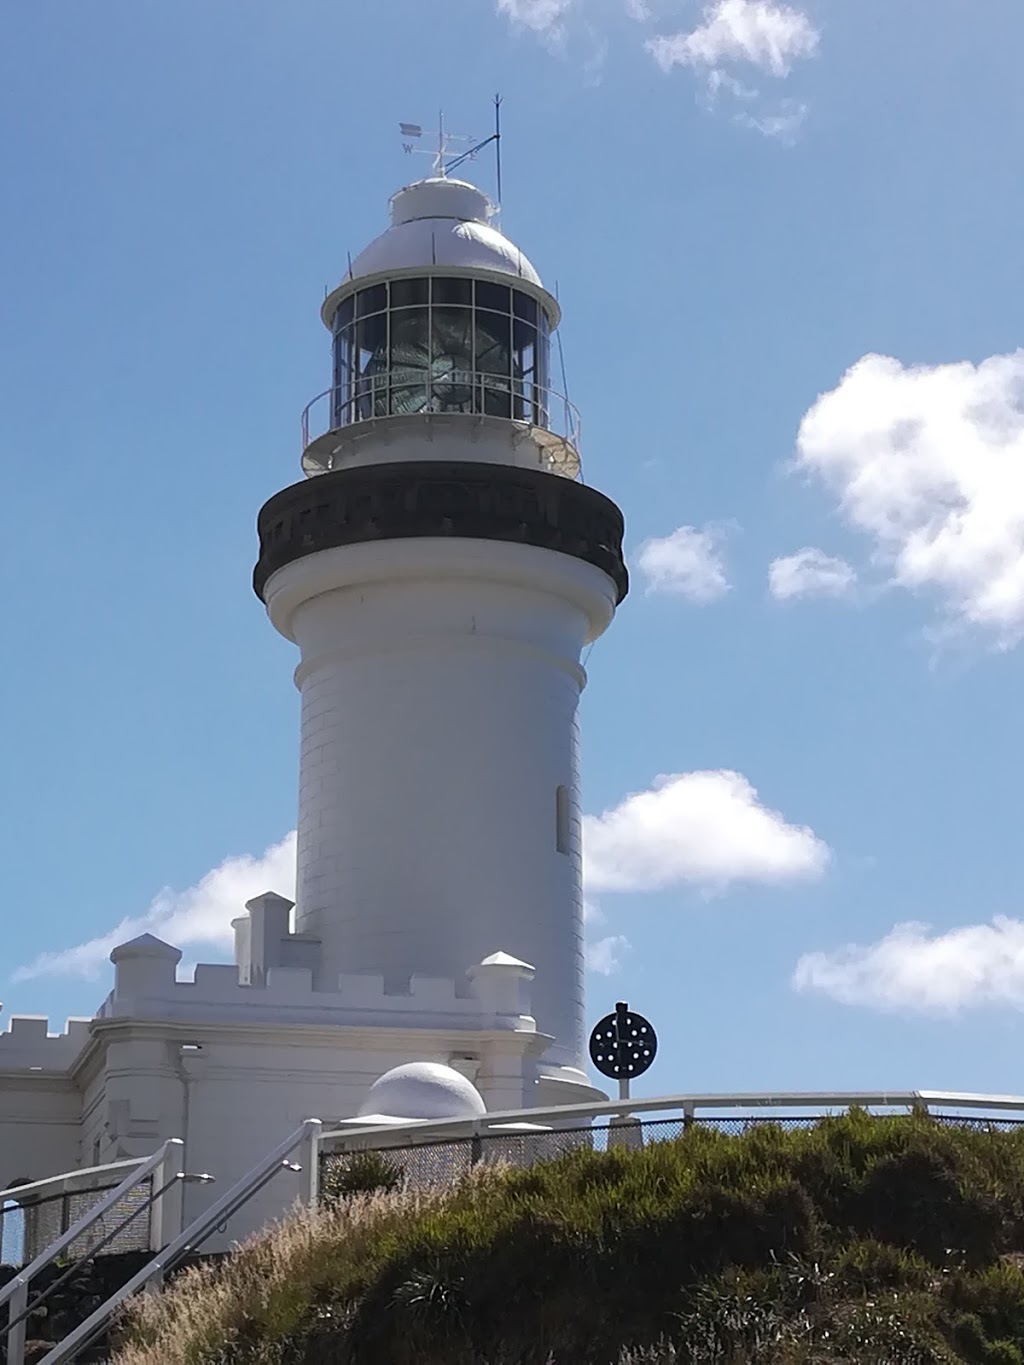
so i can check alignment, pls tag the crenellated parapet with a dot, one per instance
(272, 981)
(28, 1045)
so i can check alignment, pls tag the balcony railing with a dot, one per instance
(547, 417)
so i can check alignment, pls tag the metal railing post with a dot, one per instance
(308, 1156)
(166, 1214)
(16, 1335)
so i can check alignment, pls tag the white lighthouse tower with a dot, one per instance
(440, 568)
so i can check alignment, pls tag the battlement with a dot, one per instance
(28, 1045)
(272, 981)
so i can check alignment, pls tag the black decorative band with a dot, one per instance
(435, 498)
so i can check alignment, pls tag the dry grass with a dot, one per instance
(269, 1285)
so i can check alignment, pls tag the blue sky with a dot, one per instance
(786, 240)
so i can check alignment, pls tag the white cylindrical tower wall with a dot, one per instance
(439, 789)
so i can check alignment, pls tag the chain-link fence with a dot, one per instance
(421, 1165)
(28, 1227)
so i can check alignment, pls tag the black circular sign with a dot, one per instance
(623, 1045)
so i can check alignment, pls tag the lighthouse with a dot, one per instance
(440, 567)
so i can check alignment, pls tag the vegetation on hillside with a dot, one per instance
(880, 1241)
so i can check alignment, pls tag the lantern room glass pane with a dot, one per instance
(524, 307)
(372, 300)
(341, 394)
(452, 291)
(343, 313)
(493, 296)
(452, 336)
(493, 343)
(410, 332)
(451, 359)
(409, 293)
(409, 359)
(370, 366)
(524, 370)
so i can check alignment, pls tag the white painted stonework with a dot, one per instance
(232, 1068)
(439, 909)
(440, 681)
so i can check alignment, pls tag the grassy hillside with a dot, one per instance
(892, 1241)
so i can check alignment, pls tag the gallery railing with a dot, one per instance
(546, 415)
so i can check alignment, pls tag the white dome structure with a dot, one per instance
(421, 1090)
(443, 223)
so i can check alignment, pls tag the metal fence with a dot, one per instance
(26, 1229)
(33, 1216)
(424, 1164)
(416, 1160)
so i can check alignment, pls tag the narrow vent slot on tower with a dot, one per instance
(562, 819)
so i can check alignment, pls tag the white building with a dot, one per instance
(440, 570)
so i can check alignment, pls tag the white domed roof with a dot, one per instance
(421, 1090)
(442, 222)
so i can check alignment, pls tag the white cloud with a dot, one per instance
(928, 461)
(914, 969)
(200, 915)
(703, 828)
(688, 563)
(757, 33)
(809, 573)
(606, 955)
(783, 123)
(542, 16)
(592, 912)
(752, 35)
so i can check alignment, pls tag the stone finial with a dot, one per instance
(144, 966)
(501, 983)
(269, 919)
(507, 960)
(145, 946)
(271, 903)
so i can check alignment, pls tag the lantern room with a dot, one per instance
(442, 318)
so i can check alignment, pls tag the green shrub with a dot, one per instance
(918, 1199)
(870, 1266)
(857, 1239)
(1004, 1353)
(360, 1173)
(993, 1296)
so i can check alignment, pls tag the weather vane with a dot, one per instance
(451, 152)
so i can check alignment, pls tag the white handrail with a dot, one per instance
(192, 1237)
(165, 1165)
(65, 1182)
